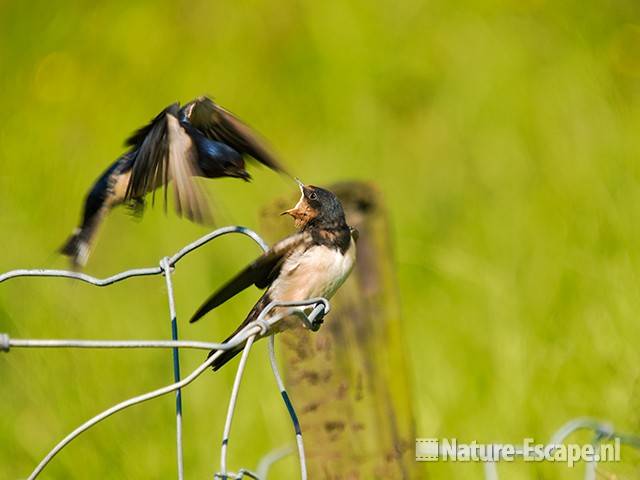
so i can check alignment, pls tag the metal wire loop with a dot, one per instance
(263, 326)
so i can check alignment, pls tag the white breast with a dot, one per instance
(317, 272)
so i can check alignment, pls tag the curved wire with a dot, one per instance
(248, 334)
(175, 354)
(289, 405)
(253, 331)
(121, 406)
(136, 272)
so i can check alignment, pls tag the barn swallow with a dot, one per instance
(200, 139)
(313, 262)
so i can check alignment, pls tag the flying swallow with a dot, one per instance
(199, 139)
(313, 262)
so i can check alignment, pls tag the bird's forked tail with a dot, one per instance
(77, 247)
(227, 355)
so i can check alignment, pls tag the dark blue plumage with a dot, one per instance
(216, 159)
(200, 139)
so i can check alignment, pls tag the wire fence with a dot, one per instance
(310, 312)
(557, 450)
(602, 432)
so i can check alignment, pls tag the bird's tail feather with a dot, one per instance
(223, 359)
(78, 245)
(77, 248)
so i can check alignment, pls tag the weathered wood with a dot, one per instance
(349, 380)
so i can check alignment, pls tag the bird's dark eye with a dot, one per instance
(313, 196)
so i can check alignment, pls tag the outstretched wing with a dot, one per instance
(165, 152)
(261, 273)
(218, 124)
(137, 137)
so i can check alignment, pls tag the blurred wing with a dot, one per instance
(220, 125)
(138, 137)
(151, 146)
(261, 273)
(164, 152)
(190, 201)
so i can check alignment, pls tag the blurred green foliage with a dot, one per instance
(504, 135)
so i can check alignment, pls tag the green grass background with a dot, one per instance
(503, 134)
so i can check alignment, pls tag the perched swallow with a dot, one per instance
(313, 262)
(200, 139)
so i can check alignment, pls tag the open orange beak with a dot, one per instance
(299, 210)
(294, 212)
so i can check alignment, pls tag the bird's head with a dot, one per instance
(234, 167)
(316, 207)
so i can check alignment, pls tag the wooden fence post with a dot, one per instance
(349, 381)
